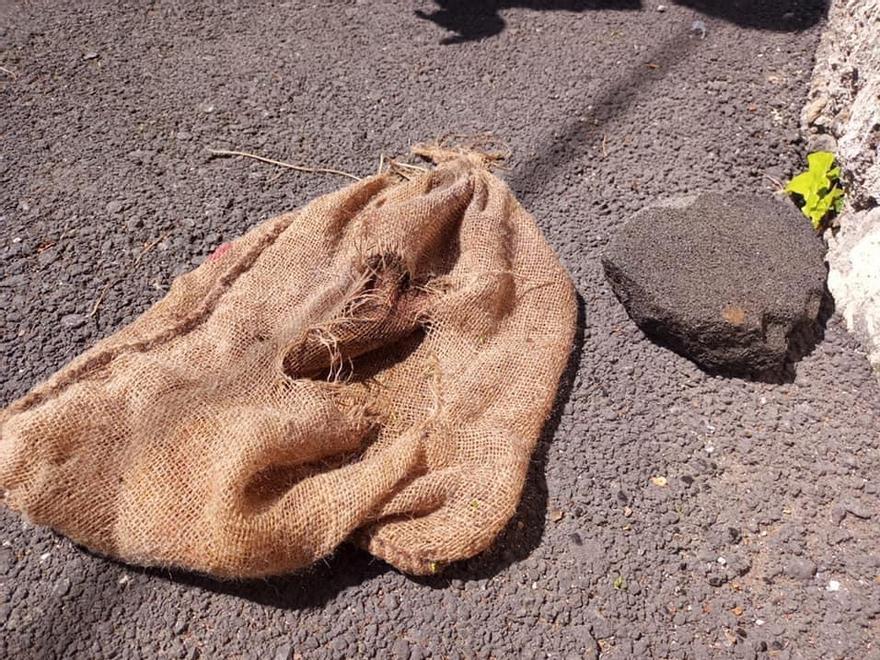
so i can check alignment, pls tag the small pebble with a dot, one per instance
(800, 569)
(73, 320)
(858, 509)
(400, 649)
(61, 587)
(180, 626)
(284, 652)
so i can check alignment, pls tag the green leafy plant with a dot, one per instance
(818, 189)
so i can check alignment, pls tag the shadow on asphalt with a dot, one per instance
(772, 15)
(802, 343)
(350, 566)
(310, 589)
(475, 20)
(608, 106)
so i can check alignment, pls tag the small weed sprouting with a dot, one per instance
(818, 189)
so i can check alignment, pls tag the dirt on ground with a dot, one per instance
(668, 513)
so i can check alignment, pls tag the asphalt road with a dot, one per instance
(764, 542)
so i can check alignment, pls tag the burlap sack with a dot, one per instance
(376, 366)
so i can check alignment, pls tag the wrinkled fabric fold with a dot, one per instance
(375, 367)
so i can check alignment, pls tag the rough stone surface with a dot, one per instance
(854, 277)
(844, 99)
(734, 282)
(597, 134)
(844, 107)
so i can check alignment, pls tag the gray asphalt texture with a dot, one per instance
(764, 540)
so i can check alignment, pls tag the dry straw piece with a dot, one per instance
(375, 367)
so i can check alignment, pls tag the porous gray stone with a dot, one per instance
(734, 282)
(854, 277)
(843, 97)
(843, 106)
(800, 569)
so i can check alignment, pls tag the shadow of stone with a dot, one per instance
(802, 341)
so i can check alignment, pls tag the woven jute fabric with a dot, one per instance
(375, 367)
